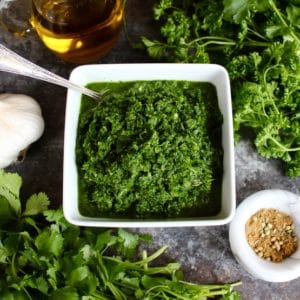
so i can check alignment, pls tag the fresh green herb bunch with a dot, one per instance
(149, 151)
(42, 256)
(259, 43)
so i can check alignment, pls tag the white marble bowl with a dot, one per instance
(285, 202)
(83, 75)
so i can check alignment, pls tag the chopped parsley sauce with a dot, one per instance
(150, 149)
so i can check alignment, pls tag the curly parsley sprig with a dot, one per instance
(259, 43)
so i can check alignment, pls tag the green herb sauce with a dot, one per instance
(150, 149)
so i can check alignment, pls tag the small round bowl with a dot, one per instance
(283, 201)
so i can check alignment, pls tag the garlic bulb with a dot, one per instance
(21, 124)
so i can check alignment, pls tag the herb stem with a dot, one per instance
(27, 293)
(116, 292)
(285, 149)
(254, 32)
(99, 296)
(266, 89)
(140, 262)
(225, 42)
(282, 20)
(13, 269)
(144, 256)
(153, 256)
(217, 38)
(166, 290)
(252, 43)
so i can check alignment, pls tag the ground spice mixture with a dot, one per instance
(271, 234)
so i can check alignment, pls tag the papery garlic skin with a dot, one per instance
(21, 124)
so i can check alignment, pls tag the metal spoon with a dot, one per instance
(13, 63)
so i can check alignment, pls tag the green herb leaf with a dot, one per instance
(4, 254)
(237, 9)
(49, 242)
(155, 48)
(6, 211)
(65, 293)
(36, 204)
(105, 240)
(129, 242)
(78, 275)
(10, 184)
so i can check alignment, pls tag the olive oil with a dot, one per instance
(78, 31)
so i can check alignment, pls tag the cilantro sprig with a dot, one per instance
(42, 256)
(259, 43)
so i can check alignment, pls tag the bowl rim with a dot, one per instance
(148, 71)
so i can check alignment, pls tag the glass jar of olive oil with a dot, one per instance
(78, 31)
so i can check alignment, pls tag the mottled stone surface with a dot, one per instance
(203, 251)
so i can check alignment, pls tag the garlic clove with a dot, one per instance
(21, 124)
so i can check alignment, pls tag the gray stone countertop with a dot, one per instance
(203, 251)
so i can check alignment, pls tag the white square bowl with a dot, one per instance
(83, 75)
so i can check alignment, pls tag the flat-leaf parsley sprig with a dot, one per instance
(42, 256)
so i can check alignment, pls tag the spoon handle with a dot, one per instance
(13, 63)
